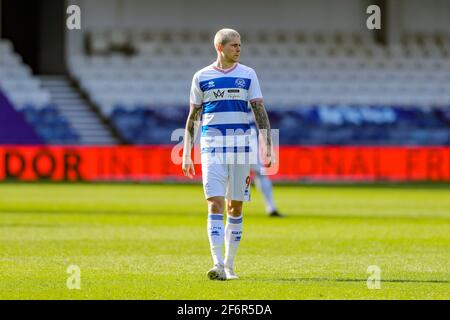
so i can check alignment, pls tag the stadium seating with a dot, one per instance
(293, 68)
(25, 93)
(329, 88)
(50, 125)
(319, 125)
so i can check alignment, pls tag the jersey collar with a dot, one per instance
(225, 70)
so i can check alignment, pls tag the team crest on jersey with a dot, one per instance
(240, 83)
(211, 84)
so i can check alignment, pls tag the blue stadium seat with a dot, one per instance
(50, 125)
(314, 125)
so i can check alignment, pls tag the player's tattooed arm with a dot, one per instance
(190, 132)
(262, 121)
(192, 122)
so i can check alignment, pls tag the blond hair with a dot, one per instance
(225, 35)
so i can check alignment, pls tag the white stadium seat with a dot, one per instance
(17, 81)
(294, 68)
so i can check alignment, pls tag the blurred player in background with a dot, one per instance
(220, 94)
(262, 181)
(263, 184)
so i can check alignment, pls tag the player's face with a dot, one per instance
(231, 51)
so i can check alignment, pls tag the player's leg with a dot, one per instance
(216, 231)
(233, 233)
(214, 185)
(237, 192)
(234, 208)
(215, 227)
(263, 183)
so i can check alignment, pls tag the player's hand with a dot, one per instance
(188, 168)
(267, 156)
(268, 160)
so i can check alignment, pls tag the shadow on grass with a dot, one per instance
(290, 216)
(371, 216)
(349, 280)
(30, 225)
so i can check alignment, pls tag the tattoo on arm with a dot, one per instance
(191, 127)
(262, 121)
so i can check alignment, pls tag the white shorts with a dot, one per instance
(231, 181)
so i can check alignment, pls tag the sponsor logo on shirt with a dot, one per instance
(211, 84)
(219, 93)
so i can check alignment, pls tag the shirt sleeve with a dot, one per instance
(254, 91)
(196, 96)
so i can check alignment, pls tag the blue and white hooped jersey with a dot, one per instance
(224, 96)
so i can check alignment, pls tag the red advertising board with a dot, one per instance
(154, 163)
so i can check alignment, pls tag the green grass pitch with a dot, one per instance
(149, 242)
